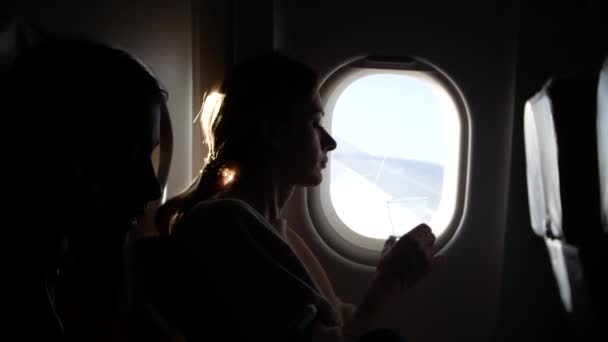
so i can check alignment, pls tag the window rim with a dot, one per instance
(318, 200)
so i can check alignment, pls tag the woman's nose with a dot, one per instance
(329, 143)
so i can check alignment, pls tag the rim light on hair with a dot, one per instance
(212, 103)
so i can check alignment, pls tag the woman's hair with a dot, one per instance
(256, 93)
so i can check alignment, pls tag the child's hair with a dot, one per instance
(73, 82)
(72, 101)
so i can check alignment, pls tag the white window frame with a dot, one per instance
(335, 233)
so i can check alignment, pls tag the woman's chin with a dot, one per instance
(314, 179)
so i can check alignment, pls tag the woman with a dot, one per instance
(88, 118)
(230, 249)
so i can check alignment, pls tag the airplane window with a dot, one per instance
(399, 156)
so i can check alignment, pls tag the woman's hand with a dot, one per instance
(402, 264)
(409, 259)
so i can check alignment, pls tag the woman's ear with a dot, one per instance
(272, 134)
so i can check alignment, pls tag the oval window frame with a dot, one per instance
(355, 247)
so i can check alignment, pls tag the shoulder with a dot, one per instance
(218, 216)
(225, 210)
(221, 204)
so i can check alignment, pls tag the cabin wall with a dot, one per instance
(475, 43)
(159, 32)
(225, 32)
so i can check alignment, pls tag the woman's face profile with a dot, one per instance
(306, 143)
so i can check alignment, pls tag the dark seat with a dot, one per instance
(563, 140)
(150, 278)
(154, 276)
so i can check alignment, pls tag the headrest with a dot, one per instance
(561, 140)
